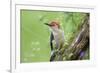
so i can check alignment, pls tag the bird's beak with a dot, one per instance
(46, 24)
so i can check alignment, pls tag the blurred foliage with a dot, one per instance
(35, 35)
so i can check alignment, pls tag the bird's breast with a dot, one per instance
(58, 36)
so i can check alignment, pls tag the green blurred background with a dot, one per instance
(35, 35)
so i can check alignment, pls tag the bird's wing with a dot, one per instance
(51, 39)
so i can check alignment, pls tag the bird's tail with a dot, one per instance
(53, 55)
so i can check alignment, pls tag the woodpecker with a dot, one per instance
(57, 36)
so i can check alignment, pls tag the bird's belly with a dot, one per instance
(59, 40)
(59, 37)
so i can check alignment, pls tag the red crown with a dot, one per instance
(53, 23)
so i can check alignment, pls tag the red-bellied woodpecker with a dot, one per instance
(57, 35)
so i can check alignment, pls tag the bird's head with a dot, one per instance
(53, 24)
